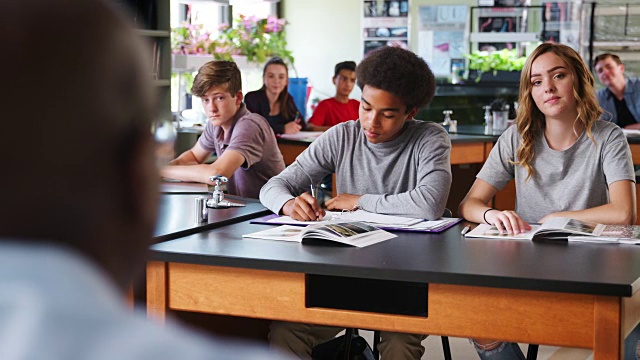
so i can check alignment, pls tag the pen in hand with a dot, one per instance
(464, 231)
(313, 191)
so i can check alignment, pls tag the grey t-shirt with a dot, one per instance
(253, 138)
(574, 179)
(408, 176)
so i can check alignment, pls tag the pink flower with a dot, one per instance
(249, 23)
(273, 24)
(247, 35)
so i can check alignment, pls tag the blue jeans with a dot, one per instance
(511, 351)
(632, 345)
(504, 351)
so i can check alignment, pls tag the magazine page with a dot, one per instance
(571, 226)
(283, 233)
(491, 232)
(352, 233)
(593, 239)
(613, 234)
(630, 232)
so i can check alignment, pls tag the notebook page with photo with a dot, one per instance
(565, 229)
(356, 234)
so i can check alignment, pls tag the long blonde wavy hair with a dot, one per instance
(531, 121)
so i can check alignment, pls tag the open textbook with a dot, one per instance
(351, 233)
(386, 222)
(565, 229)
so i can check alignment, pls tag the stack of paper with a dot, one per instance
(387, 222)
(360, 215)
(302, 135)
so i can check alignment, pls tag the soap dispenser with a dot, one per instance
(447, 117)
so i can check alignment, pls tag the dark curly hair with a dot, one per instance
(400, 72)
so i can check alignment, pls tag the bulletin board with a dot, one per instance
(385, 23)
(442, 37)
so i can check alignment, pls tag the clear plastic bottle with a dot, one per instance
(488, 120)
(453, 126)
(456, 69)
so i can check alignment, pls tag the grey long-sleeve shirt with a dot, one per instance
(408, 176)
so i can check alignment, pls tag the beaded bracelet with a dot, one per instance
(484, 216)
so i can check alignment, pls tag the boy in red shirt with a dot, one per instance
(339, 108)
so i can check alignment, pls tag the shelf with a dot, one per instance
(617, 44)
(160, 83)
(189, 62)
(153, 33)
(504, 37)
(617, 10)
(471, 88)
(159, 38)
(496, 11)
(499, 27)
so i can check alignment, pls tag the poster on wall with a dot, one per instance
(558, 17)
(498, 24)
(442, 41)
(385, 23)
(494, 21)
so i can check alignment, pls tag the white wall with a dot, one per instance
(321, 34)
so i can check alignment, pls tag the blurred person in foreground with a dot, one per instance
(79, 200)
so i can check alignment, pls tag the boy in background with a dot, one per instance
(385, 162)
(339, 108)
(246, 147)
(621, 98)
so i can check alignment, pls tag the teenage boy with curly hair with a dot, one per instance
(386, 162)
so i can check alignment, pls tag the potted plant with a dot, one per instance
(504, 62)
(257, 39)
